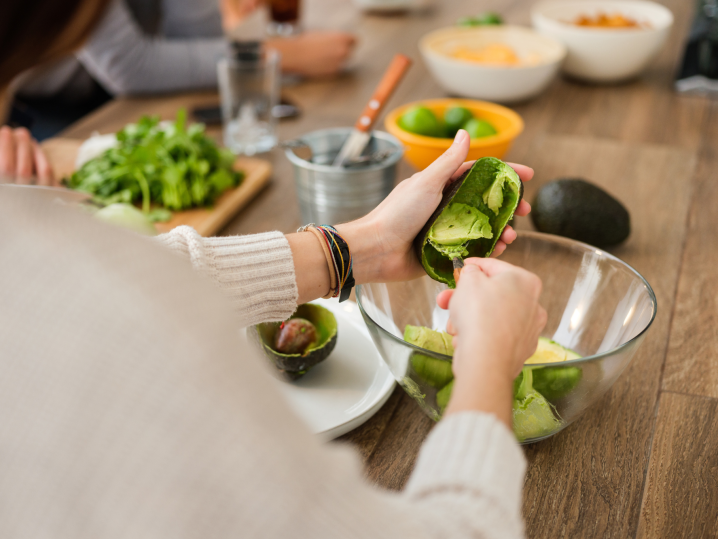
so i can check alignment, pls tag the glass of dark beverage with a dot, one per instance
(284, 17)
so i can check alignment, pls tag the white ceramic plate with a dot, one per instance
(347, 388)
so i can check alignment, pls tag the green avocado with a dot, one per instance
(472, 214)
(556, 382)
(435, 372)
(579, 210)
(533, 416)
(294, 366)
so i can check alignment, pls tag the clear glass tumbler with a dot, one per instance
(249, 85)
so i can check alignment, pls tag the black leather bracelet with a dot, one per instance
(343, 259)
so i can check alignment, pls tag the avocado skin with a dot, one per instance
(294, 366)
(484, 247)
(577, 209)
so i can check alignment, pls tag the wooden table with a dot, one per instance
(644, 462)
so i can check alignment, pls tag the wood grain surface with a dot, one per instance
(692, 362)
(642, 462)
(682, 486)
(62, 152)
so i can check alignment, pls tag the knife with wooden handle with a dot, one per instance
(360, 135)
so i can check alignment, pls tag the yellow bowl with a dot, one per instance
(421, 151)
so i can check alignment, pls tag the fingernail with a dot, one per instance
(460, 136)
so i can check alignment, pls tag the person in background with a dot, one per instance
(146, 47)
(132, 406)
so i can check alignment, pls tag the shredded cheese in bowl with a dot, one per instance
(496, 54)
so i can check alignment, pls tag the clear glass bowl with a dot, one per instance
(597, 305)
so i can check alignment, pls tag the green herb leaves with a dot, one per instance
(169, 165)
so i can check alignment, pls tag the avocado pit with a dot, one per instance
(299, 343)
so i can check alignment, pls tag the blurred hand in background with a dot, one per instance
(314, 54)
(235, 11)
(21, 158)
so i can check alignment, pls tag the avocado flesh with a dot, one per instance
(435, 372)
(294, 366)
(533, 415)
(549, 351)
(458, 224)
(492, 189)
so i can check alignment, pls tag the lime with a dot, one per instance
(479, 128)
(455, 117)
(421, 121)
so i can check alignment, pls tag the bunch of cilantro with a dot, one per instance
(168, 165)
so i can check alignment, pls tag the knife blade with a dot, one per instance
(360, 135)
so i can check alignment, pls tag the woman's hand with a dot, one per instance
(491, 343)
(381, 242)
(235, 11)
(21, 158)
(314, 54)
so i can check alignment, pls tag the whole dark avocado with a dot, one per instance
(577, 209)
(294, 366)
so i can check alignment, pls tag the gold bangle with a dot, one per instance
(311, 227)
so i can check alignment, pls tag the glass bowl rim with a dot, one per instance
(568, 243)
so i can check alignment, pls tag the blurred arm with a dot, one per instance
(125, 60)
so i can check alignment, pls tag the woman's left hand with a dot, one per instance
(381, 242)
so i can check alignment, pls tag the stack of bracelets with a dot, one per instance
(339, 260)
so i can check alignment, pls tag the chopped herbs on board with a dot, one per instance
(170, 165)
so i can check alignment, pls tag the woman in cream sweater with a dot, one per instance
(132, 408)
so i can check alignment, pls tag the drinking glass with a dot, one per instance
(249, 82)
(284, 16)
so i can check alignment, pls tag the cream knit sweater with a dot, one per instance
(130, 407)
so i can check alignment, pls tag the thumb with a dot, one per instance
(471, 275)
(444, 167)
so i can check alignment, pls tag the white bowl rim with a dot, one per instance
(585, 359)
(537, 13)
(426, 50)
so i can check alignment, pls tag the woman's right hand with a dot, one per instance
(314, 54)
(496, 320)
(21, 159)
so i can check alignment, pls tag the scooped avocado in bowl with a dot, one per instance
(534, 417)
(435, 372)
(470, 218)
(300, 343)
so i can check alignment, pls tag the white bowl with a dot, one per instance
(604, 54)
(504, 84)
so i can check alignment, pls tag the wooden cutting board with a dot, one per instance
(61, 152)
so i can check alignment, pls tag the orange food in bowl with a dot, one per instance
(602, 20)
(494, 54)
(421, 151)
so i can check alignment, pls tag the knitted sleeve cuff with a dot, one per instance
(256, 271)
(471, 452)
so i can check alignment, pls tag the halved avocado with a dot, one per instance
(294, 366)
(548, 351)
(469, 221)
(435, 372)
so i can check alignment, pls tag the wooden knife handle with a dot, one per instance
(391, 79)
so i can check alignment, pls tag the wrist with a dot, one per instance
(480, 357)
(366, 257)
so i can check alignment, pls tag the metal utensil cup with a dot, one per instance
(329, 194)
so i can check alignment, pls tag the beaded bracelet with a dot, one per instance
(339, 259)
